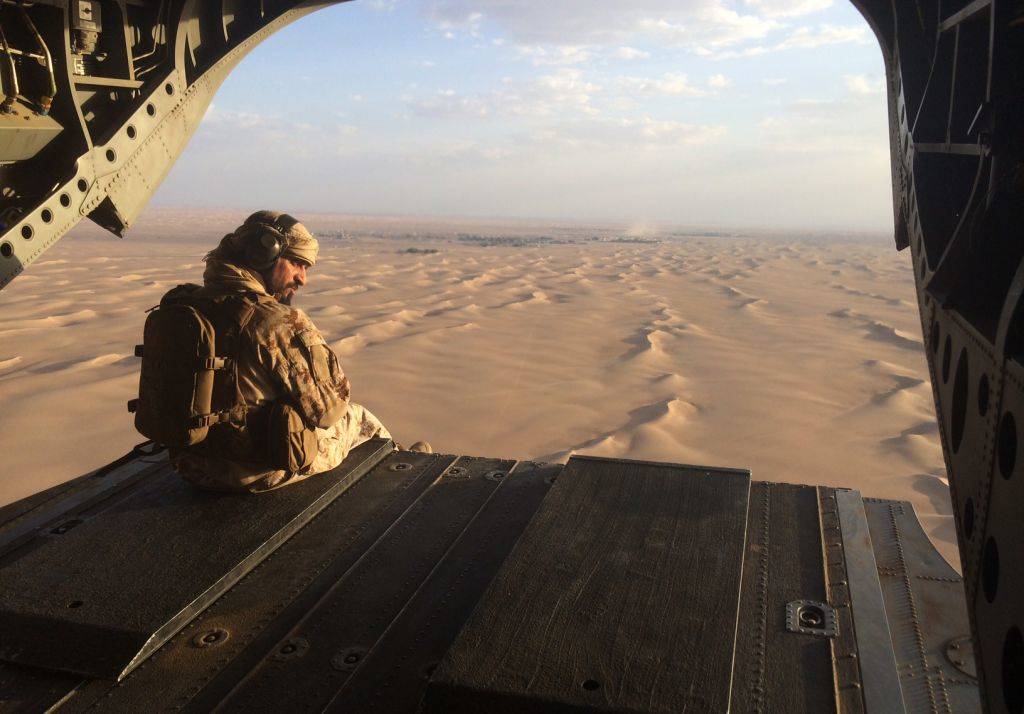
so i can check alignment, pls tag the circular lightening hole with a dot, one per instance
(82, 185)
(983, 395)
(990, 570)
(6, 250)
(111, 155)
(26, 232)
(65, 200)
(46, 215)
(947, 356)
(1007, 445)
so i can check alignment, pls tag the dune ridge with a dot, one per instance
(800, 360)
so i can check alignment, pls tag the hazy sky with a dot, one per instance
(704, 112)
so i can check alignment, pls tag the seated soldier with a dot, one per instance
(298, 419)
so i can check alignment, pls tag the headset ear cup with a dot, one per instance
(264, 251)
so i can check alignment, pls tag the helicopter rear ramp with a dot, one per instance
(406, 582)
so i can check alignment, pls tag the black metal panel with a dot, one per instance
(778, 670)
(307, 667)
(31, 690)
(925, 605)
(208, 658)
(100, 597)
(879, 679)
(64, 506)
(393, 676)
(621, 595)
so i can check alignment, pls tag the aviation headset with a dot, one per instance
(266, 244)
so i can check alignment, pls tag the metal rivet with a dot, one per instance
(292, 648)
(210, 638)
(348, 659)
(402, 466)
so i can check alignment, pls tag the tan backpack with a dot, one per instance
(189, 375)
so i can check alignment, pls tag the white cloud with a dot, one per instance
(223, 128)
(551, 94)
(712, 28)
(719, 81)
(630, 53)
(616, 135)
(806, 37)
(571, 32)
(566, 87)
(556, 55)
(863, 84)
(669, 84)
(827, 126)
(800, 38)
(447, 103)
(788, 8)
(683, 23)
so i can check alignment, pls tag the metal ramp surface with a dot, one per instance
(407, 582)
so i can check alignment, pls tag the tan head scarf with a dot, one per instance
(299, 243)
(225, 268)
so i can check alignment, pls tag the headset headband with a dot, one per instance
(261, 253)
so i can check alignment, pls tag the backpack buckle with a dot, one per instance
(215, 363)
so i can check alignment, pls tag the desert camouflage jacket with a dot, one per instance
(280, 355)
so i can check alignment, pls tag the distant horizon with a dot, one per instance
(625, 224)
(759, 114)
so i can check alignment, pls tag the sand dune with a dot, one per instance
(800, 360)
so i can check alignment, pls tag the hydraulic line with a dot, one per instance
(46, 101)
(150, 58)
(11, 90)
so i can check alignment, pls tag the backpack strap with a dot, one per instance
(215, 363)
(236, 415)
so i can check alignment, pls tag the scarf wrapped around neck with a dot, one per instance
(223, 273)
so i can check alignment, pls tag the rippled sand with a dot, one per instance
(798, 359)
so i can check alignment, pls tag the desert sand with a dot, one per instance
(795, 356)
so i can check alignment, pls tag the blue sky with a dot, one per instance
(745, 113)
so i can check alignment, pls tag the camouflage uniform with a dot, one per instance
(282, 359)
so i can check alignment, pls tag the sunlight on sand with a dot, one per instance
(800, 360)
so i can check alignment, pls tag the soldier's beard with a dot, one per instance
(286, 294)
